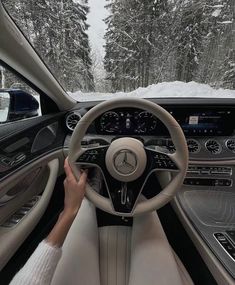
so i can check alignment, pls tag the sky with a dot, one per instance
(97, 26)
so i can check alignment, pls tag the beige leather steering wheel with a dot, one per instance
(126, 163)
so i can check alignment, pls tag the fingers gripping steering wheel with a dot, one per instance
(126, 163)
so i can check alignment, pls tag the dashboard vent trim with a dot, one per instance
(230, 145)
(72, 119)
(213, 146)
(193, 146)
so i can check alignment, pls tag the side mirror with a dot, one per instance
(16, 104)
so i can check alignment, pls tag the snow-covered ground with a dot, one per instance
(3, 114)
(161, 90)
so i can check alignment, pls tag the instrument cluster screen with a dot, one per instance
(126, 122)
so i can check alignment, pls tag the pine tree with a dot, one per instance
(58, 31)
(228, 38)
(134, 31)
(189, 46)
(217, 41)
(228, 79)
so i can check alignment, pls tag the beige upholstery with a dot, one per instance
(115, 243)
(79, 264)
(152, 259)
(118, 255)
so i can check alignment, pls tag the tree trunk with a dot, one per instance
(3, 79)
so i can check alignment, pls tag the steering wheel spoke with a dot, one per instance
(160, 161)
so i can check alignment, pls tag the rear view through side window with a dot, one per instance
(17, 100)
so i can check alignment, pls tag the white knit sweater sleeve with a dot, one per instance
(40, 267)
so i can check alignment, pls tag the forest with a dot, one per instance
(147, 41)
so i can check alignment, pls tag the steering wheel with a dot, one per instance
(126, 163)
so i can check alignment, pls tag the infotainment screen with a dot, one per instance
(205, 122)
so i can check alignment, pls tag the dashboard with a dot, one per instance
(208, 128)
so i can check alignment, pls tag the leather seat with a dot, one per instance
(118, 255)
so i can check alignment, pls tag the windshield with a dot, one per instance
(143, 48)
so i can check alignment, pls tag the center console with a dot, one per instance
(207, 198)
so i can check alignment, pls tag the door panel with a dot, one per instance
(12, 236)
(31, 159)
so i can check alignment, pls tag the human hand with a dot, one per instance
(73, 194)
(74, 190)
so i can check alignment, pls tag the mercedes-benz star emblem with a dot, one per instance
(125, 161)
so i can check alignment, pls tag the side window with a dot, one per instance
(18, 101)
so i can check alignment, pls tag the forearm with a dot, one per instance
(61, 228)
(40, 268)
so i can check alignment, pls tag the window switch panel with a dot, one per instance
(14, 219)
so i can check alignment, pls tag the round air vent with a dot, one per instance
(213, 146)
(230, 144)
(193, 146)
(72, 119)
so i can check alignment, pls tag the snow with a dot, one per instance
(218, 6)
(225, 22)
(161, 90)
(97, 26)
(216, 13)
(3, 115)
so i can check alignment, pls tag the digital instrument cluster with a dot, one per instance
(126, 121)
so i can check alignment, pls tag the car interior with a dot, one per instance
(165, 211)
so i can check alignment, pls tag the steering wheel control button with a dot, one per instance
(126, 159)
(94, 155)
(162, 161)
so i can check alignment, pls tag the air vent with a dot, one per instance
(230, 144)
(193, 146)
(72, 119)
(213, 146)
